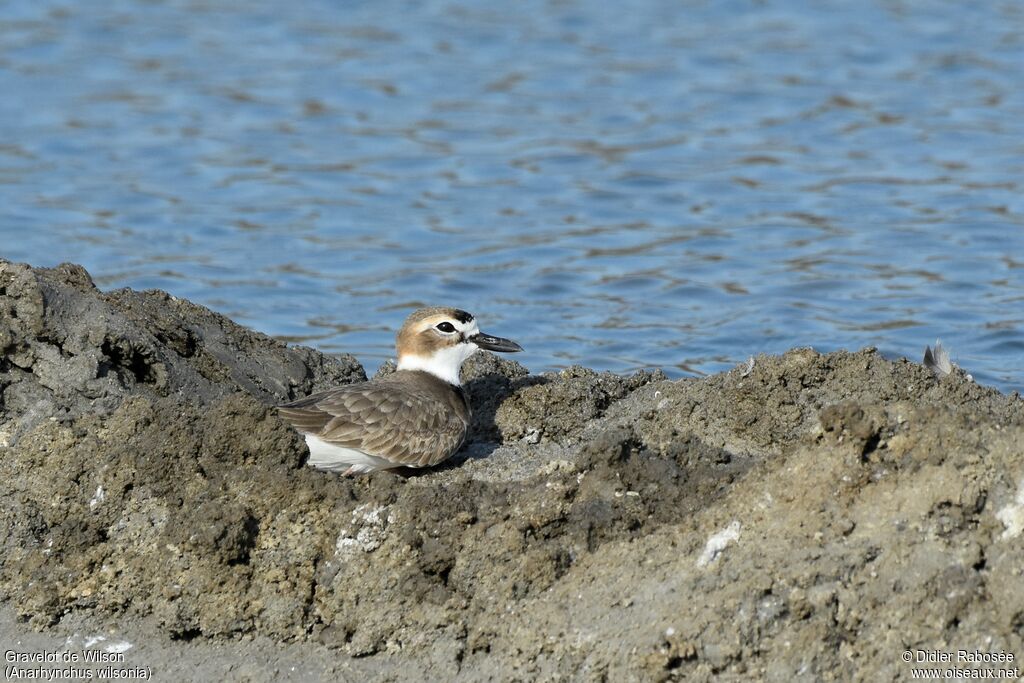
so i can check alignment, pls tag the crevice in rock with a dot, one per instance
(125, 356)
(246, 542)
(186, 635)
(183, 343)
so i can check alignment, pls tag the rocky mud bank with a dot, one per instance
(802, 516)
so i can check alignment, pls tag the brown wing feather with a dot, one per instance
(388, 421)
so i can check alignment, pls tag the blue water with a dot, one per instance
(653, 184)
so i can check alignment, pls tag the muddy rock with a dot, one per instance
(69, 350)
(801, 516)
(558, 406)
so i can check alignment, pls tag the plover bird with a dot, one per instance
(415, 417)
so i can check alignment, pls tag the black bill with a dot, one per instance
(486, 341)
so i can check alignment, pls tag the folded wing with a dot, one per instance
(404, 427)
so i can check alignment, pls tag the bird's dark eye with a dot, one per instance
(446, 327)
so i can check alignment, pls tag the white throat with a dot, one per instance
(444, 363)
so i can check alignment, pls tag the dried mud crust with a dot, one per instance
(809, 515)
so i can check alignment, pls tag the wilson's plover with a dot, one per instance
(415, 417)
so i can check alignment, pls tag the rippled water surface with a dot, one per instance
(623, 185)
